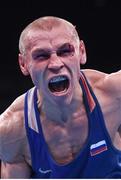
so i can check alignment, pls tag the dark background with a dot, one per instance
(98, 23)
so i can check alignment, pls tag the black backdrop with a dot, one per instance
(98, 23)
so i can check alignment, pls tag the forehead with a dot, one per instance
(55, 37)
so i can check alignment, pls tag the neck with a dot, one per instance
(60, 111)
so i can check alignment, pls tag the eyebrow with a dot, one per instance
(64, 45)
(48, 49)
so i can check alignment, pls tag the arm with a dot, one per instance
(109, 83)
(12, 142)
(112, 83)
(15, 170)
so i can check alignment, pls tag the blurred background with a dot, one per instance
(98, 23)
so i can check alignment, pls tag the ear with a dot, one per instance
(83, 57)
(23, 64)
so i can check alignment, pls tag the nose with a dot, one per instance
(55, 63)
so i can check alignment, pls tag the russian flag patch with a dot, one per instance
(98, 148)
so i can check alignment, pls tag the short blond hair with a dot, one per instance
(46, 23)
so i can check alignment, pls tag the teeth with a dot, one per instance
(57, 79)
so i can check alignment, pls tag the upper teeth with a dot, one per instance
(57, 79)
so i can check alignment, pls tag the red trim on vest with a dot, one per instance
(89, 96)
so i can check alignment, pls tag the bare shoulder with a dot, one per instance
(12, 131)
(94, 77)
(110, 83)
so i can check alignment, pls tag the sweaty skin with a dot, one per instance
(65, 124)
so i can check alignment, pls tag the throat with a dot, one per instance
(60, 111)
(55, 112)
(61, 114)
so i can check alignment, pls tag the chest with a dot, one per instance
(65, 140)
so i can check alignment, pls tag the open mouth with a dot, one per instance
(58, 84)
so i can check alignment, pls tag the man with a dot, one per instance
(68, 124)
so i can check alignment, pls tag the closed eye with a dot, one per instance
(41, 55)
(66, 50)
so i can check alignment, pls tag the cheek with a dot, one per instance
(36, 78)
(36, 74)
(74, 64)
(74, 67)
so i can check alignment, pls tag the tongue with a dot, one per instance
(58, 86)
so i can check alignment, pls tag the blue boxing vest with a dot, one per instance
(97, 159)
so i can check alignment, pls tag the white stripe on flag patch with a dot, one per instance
(103, 142)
